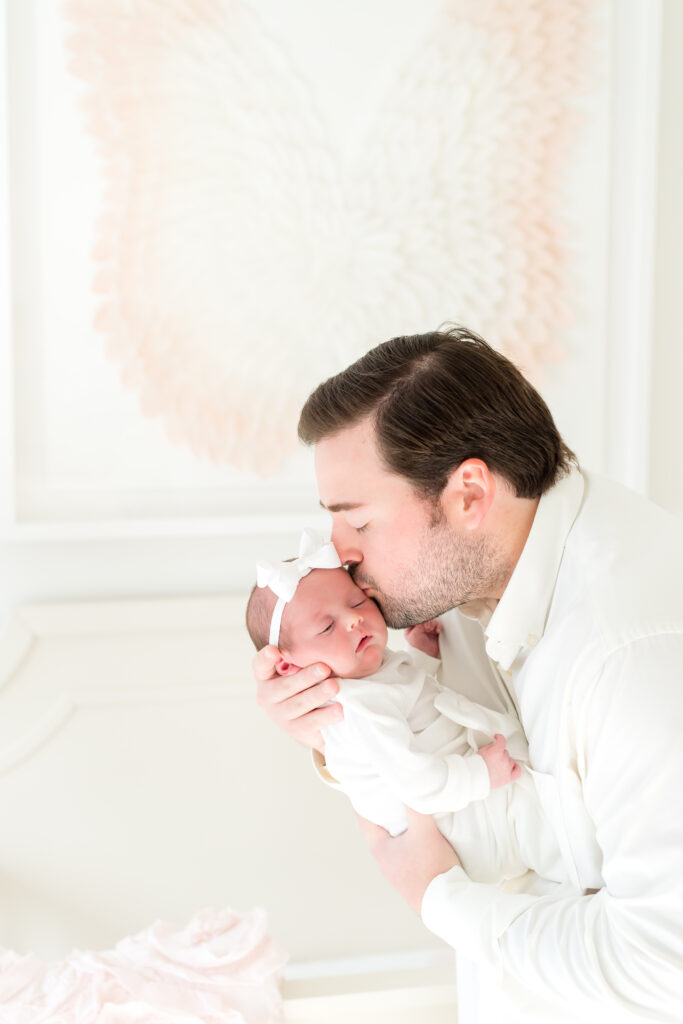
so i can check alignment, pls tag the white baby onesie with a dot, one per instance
(407, 741)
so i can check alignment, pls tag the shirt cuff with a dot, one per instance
(470, 916)
(480, 780)
(321, 769)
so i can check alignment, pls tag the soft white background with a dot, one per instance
(82, 463)
(193, 529)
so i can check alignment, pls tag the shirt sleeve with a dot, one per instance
(622, 946)
(354, 770)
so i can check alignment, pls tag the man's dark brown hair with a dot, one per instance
(439, 399)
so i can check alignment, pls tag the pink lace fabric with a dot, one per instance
(220, 968)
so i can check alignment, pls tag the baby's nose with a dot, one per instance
(354, 621)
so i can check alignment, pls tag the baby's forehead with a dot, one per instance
(321, 585)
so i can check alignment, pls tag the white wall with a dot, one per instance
(666, 454)
(55, 467)
(220, 559)
(214, 558)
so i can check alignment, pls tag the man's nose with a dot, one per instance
(345, 541)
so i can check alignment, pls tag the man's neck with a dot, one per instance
(517, 517)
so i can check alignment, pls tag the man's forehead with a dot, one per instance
(348, 468)
(351, 443)
(352, 476)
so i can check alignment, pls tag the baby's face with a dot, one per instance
(330, 619)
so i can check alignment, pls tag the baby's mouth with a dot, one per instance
(364, 640)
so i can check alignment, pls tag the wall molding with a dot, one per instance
(633, 181)
(91, 645)
(7, 434)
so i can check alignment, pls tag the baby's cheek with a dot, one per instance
(305, 654)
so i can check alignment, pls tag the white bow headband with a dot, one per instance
(283, 578)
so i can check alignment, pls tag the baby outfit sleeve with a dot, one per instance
(384, 743)
(350, 763)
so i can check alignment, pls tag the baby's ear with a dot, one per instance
(285, 668)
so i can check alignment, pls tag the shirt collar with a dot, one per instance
(520, 616)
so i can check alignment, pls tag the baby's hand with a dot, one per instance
(502, 769)
(425, 637)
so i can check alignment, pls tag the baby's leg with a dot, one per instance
(483, 838)
(533, 834)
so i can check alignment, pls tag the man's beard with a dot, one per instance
(446, 572)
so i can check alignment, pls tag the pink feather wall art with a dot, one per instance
(241, 257)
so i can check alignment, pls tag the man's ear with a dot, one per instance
(468, 494)
(285, 668)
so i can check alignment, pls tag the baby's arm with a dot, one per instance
(428, 783)
(501, 767)
(350, 760)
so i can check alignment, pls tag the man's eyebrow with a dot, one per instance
(342, 506)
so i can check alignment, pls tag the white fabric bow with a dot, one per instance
(283, 577)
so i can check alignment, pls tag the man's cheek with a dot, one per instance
(391, 566)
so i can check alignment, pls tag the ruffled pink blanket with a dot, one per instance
(221, 968)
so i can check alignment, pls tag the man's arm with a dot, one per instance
(622, 946)
(410, 861)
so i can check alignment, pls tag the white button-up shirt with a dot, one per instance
(587, 644)
(406, 741)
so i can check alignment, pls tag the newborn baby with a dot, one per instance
(404, 740)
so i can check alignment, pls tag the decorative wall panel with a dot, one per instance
(242, 256)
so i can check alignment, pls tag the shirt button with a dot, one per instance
(531, 640)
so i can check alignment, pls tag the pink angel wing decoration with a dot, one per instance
(466, 168)
(242, 262)
(216, 174)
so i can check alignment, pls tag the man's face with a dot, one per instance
(400, 548)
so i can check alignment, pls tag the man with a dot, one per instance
(453, 495)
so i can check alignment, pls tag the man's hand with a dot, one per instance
(410, 861)
(295, 702)
(502, 768)
(425, 637)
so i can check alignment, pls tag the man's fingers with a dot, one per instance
(263, 663)
(320, 718)
(311, 704)
(311, 699)
(282, 688)
(309, 727)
